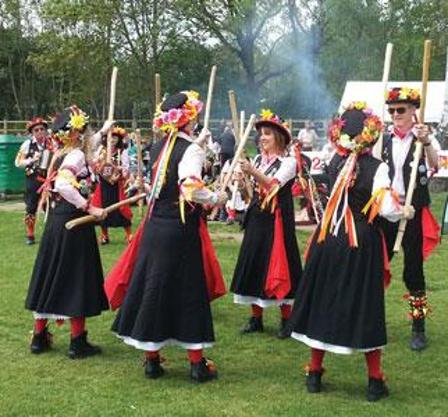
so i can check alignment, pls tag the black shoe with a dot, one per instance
(284, 331)
(203, 371)
(153, 368)
(376, 390)
(80, 348)
(418, 339)
(255, 324)
(104, 240)
(30, 240)
(313, 381)
(41, 342)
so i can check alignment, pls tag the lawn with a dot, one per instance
(259, 374)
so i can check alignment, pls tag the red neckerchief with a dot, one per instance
(399, 133)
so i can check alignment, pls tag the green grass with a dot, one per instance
(259, 375)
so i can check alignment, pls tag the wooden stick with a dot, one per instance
(418, 145)
(158, 91)
(234, 113)
(138, 139)
(239, 151)
(211, 86)
(242, 121)
(378, 148)
(90, 218)
(110, 117)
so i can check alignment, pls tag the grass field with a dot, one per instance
(259, 375)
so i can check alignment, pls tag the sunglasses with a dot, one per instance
(399, 110)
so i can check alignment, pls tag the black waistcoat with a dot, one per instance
(421, 193)
(361, 191)
(167, 205)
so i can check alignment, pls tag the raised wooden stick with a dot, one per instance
(157, 90)
(418, 145)
(138, 139)
(378, 148)
(208, 105)
(239, 151)
(90, 218)
(234, 113)
(110, 117)
(242, 121)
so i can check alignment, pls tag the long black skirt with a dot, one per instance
(167, 301)
(110, 194)
(339, 305)
(67, 279)
(251, 270)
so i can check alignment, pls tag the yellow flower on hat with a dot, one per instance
(77, 121)
(266, 114)
(360, 105)
(404, 93)
(414, 94)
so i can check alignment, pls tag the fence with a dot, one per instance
(19, 126)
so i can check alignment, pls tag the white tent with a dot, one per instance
(372, 93)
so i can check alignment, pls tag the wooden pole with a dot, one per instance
(208, 105)
(418, 145)
(110, 117)
(378, 148)
(89, 219)
(234, 113)
(242, 121)
(138, 139)
(239, 151)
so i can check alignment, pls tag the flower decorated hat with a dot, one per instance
(269, 119)
(36, 121)
(177, 111)
(71, 118)
(356, 129)
(403, 95)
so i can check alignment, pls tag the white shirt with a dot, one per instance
(286, 172)
(400, 151)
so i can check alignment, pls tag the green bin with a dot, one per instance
(11, 178)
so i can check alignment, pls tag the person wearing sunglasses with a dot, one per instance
(418, 241)
(33, 157)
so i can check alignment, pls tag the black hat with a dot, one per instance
(176, 101)
(353, 122)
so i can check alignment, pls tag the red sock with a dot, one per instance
(39, 325)
(285, 310)
(373, 360)
(195, 356)
(152, 355)
(257, 311)
(77, 326)
(317, 357)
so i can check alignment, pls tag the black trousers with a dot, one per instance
(31, 197)
(412, 245)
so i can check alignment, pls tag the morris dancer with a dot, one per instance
(422, 232)
(172, 268)
(67, 279)
(34, 157)
(269, 267)
(111, 188)
(339, 305)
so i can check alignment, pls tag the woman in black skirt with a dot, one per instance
(339, 306)
(67, 280)
(112, 179)
(170, 262)
(268, 267)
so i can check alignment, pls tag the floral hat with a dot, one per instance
(70, 119)
(36, 121)
(177, 110)
(269, 119)
(119, 132)
(403, 95)
(356, 129)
